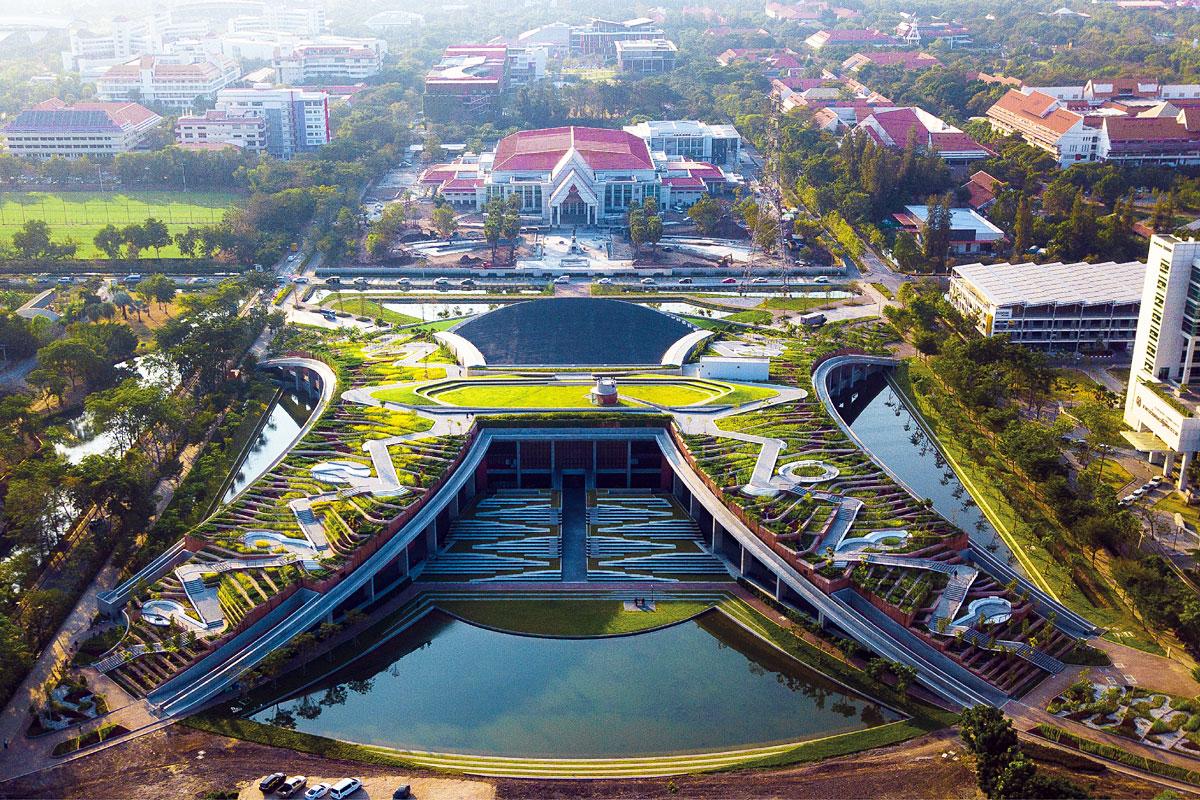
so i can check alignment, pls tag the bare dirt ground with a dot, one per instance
(182, 763)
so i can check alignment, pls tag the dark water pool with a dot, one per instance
(446, 685)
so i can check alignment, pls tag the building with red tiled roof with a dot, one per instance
(897, 127)
(849, 37)
(904, 59)
(981, 190)
(1140, 140)
(572, 175)
(53, 128)
(165, 82)
(1046, 122)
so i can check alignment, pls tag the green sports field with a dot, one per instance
(79, 215)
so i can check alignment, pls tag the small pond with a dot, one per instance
(884, 424)
(285, 418)
(445, 685)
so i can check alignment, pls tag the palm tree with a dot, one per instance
(123, 301)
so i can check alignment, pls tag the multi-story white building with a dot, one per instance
(1046, 122)
(1052, 307)
(646, 56)
(91, 54)
(96, 130)
(167, 81)
(216, 128)
(298, 20)
(295, 120)
(716, 144)
(1161, 405)
(329, 59)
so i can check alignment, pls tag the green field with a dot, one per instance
(79, 215)
(568, 396)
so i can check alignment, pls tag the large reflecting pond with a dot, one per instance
(285, 418)
(882, 421)
(446, 685)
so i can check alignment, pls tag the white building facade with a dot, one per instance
(1160, 405)
(716, 144)
(1053, 307)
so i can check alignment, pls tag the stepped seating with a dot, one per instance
(610, 546)
(677, 563)
(475, 563)
(540, 546)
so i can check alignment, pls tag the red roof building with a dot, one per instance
(467, 82)
(981, 190)
(53, 128)
(897, 127)
(903, 59)
(573, 175)
(849, 37)
(1046, 122)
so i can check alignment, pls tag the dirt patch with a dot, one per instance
(184, 763)
(380, 787)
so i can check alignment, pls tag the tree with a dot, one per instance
(109, 241)
(935, 232)
(990, 737)
(906, 253)
(1075, 237)
(766, 232)
(156, 235)
(159, 288)
(493, 222)
(33, 241)
(638, 229)
(432, 150)
(444, 222)
(1022, 230)
(705, 213)
(510, 224)
(1162, 220)
(132, 409)
(187, 241)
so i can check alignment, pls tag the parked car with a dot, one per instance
(329, 315)
(1139, 492)
(291, 786)
(345, 787)
(604, 281)
(362, 283)
(729, 281)
(293, 257)
(563, 279)
(759, 279)
(441, 282)
(466, 282)
(333, 281)
(1155, 481)
(648, 281)
(666, 248)
(271, 782)
(403, 792)
(686, 281)
(300, 279)
(821, 279)
(314, 792)
(404, 282)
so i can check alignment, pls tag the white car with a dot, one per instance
(314, 792)
(404, 281)
(759, 279)
(563, 279)
(821, 279)
(442, 282)
(345, 787)
(293, 257)
(648, 281)
(604, 281)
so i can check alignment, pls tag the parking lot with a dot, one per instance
(381, 787)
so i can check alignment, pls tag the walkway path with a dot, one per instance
(700, 422)
(574, 535)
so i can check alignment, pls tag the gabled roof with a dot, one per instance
(1145, 129)
(1037, 109)
(600, 148)
(54, 114)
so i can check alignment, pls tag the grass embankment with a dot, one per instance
(571, 617)
(1068, 739)
(81, 215)
(1009, 502)
(361, 306)
(883, 290)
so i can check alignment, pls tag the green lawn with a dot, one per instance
(566, 396)
(752, 317)
(80, 215)
(745, 394)
(794, 303)
(362, 306)
(571, 617)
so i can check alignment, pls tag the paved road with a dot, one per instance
(574, 535)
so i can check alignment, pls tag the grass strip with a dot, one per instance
(572, 617)
(1063, 737)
